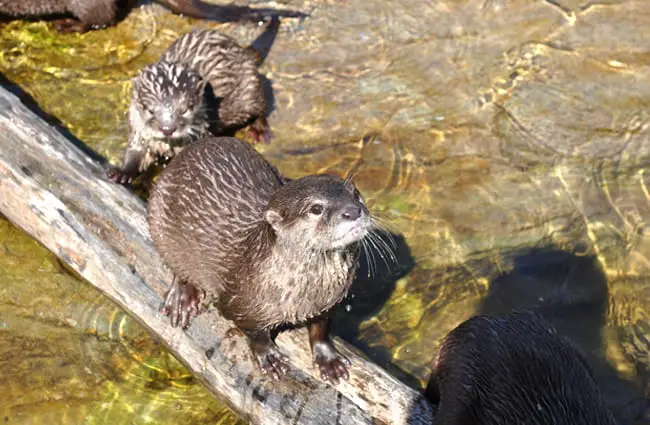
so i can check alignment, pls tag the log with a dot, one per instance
(54, 190)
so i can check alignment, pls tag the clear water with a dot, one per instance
(506, 143)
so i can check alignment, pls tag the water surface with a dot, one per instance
(506, 144)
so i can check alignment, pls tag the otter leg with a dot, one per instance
(332, 365)
(432, 391)
(182, 301)
(269, 357)
(70, 25)
(260, 131)
(130, 168)
(89, 13)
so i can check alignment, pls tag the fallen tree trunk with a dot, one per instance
(58, 194)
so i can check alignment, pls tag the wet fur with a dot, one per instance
(171, 93)
(514, 369)
(288, 271)
(207, 220)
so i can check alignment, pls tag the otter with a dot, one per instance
(168, 109)
(514, 369)
(95, 14)
(273, 254)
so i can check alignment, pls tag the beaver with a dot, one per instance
(273, 253)
(168, 108)
(514, 369)
(95, 14)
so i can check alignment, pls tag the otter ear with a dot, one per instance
(273, 218)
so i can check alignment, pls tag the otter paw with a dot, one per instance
(260, 135)
(332, 365)
(273, 363)
(70, 25)
(182, 302)
(118, 176)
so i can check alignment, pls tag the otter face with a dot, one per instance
(319, 212)
(168, 99)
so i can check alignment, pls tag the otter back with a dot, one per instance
(514, 369)
(230, 69)
(204, 204)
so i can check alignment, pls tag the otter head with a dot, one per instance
(169, 98)
(319, 212)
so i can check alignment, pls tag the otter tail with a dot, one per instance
(226, 13)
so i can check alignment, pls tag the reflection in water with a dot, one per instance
(506, 143)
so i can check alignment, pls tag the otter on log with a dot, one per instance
(273, 254)
(168, 107)
(95, 14)
(513, 369)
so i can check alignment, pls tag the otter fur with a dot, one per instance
(273, 254)
(514, 369)
(168, 108)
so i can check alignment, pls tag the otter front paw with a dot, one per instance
(70, 25)
(260, 131)
(331, 364)
(182, 302)
(118, 176)
(269, 357)
(273, 362)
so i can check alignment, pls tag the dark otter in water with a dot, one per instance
(89, 14)
(273, 254)
(514, 369)
(168, 109)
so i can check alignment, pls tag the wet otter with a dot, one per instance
(514, 369)
(93, 14)
(272, 253)
(168, 109)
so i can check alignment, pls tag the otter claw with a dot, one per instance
(269, 357)
(182, 302)
(260, 131)
(70, 25)
(263, 136)
(332, 365)
(274, 363)
(118, 176)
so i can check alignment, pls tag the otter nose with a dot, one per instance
(351, 213)
(168, 130)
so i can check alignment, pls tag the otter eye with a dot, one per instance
(316, 209)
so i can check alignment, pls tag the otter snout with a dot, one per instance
(352, 212)
(168, 130)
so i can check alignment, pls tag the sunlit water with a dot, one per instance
(505, 144)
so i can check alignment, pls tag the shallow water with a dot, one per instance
(506, 143)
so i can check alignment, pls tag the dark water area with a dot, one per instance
(505, 144)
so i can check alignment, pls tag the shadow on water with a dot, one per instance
(373, 286)
(571, 292)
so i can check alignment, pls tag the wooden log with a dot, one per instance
(56, 192)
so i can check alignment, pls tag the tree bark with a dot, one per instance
(54, 190)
